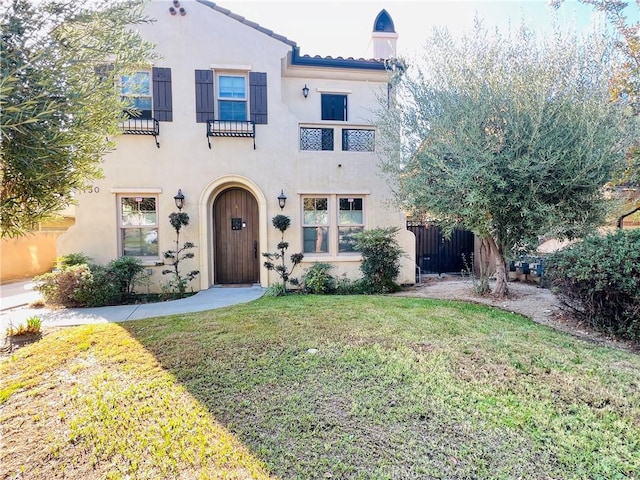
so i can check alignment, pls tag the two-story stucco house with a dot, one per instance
(234, 117)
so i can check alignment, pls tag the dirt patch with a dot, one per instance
(528, 299)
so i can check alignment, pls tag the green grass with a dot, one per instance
(398, 388)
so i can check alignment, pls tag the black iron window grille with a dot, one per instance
(316, 138)
(358, 140)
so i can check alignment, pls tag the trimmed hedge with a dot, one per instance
(599, 280)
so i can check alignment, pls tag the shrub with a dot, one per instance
(380, 259)
(126, 271)
(178, 284)
(77, 258)
(318, 280)
(83, 285)
(99, 289)
(599, 280)
(64, 287)
(276, 261)
(275, 290)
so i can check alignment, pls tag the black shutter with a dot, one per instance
(258, 97)
(204, 96)
(162, 100)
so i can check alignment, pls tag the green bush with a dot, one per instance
(90, 285)
(65, 287)
(126, 271)
(77, 258)
(380, 259)
(599, 280)
(318, 280)
(99, 289)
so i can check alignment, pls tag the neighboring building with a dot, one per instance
(233, 115)
(34, 253)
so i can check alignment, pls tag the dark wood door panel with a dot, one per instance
(235, 216)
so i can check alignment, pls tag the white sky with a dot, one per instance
(343, 28)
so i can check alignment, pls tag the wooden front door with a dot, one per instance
(235, 220)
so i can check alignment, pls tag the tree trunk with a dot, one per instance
(501, 289)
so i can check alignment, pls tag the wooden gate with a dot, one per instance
(235, 220)
(435, 254)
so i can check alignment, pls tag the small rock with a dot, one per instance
(312, 351)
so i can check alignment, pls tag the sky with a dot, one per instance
(343, 28)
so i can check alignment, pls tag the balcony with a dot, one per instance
(231, 128)
(353, 139)
(141, 126)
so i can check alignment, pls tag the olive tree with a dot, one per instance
(509, 135)
(60, 64)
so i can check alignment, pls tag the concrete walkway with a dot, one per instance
(16, 297)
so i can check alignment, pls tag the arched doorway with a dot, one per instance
(235, 232)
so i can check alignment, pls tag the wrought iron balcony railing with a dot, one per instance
(142, 126)
(231, 128)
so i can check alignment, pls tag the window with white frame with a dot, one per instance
(232, 97)
(138, 226)
(330, 223)
(350, 222)
(315, 224)
(136, 93)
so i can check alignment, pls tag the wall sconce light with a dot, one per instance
(282, 200)
(305, 91)
(183, 12)
(172, 10)
(179, 199)
(176, 3)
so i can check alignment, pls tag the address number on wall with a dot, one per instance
(90, 189)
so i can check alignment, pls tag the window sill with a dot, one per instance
(326, 257)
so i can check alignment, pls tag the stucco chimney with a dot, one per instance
(384, 36)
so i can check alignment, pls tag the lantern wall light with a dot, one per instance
(282, 200)
(179, 199)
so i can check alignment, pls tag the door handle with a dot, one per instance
(255, 249)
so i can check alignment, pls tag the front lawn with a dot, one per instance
(321, 387)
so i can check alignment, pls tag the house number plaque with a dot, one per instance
(236, 224)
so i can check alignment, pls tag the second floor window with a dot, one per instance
(136, 93)
(334, 107)
(232, 97)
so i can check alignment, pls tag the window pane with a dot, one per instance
(334, 107)
(136, 93)
(316, 138)
(234, 111)
(315, 239)
(358, 140)
(231, 87)
(346, 239)
(137, 84)
(350, 211)
(139, 211)
(140, 242)
(315, 211)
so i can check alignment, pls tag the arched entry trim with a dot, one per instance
(205, 207)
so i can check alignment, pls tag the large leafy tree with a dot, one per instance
(625, 83)
(511, 136)
(59, 65)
